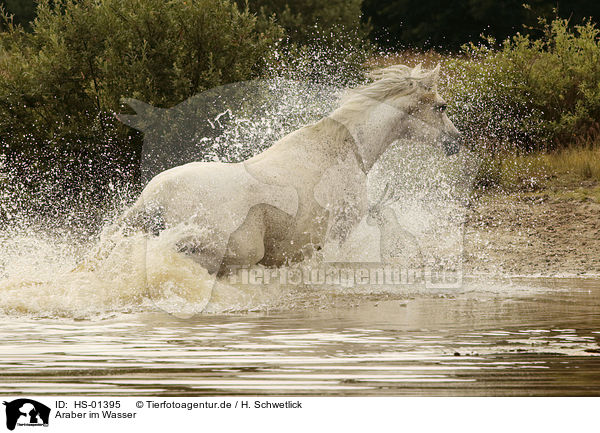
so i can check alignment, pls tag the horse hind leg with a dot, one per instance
(204, 250)
(245, 246)
(218, 254)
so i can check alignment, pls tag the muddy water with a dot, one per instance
(527, 337)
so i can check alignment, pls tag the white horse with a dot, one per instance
(306, 189)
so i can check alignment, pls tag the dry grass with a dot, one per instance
(573, 164)
(579, 163)
(570, 174)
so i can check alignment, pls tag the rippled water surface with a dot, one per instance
(532, 337)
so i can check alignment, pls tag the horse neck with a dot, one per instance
(370, 133)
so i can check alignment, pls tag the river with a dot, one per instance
(525, 337)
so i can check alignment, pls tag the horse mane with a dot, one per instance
(389, 84)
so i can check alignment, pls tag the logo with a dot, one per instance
(26, 412)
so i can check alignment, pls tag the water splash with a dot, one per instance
(67, 273)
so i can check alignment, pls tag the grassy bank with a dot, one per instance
(571, 173)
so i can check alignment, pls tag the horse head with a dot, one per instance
(414, 91)
(427, 111)
(401, 103)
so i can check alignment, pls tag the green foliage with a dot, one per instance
(325, 39)
(340, 61)
(61, 83)
(62, 149)
(530, 93)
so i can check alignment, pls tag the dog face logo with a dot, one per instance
(26, 412)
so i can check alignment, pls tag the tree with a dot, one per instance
(23, 10)
(443, 25)
(305, 19)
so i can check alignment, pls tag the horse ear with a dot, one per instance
(436, 73)
(144, 113)
(431, 79)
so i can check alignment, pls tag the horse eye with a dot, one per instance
(441, 108)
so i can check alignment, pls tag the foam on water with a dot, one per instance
(44, 276)
(54, 278)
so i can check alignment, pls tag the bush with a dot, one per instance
(61, 83)
(529, 94)
(84, 56)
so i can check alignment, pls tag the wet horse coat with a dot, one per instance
(305, 190)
